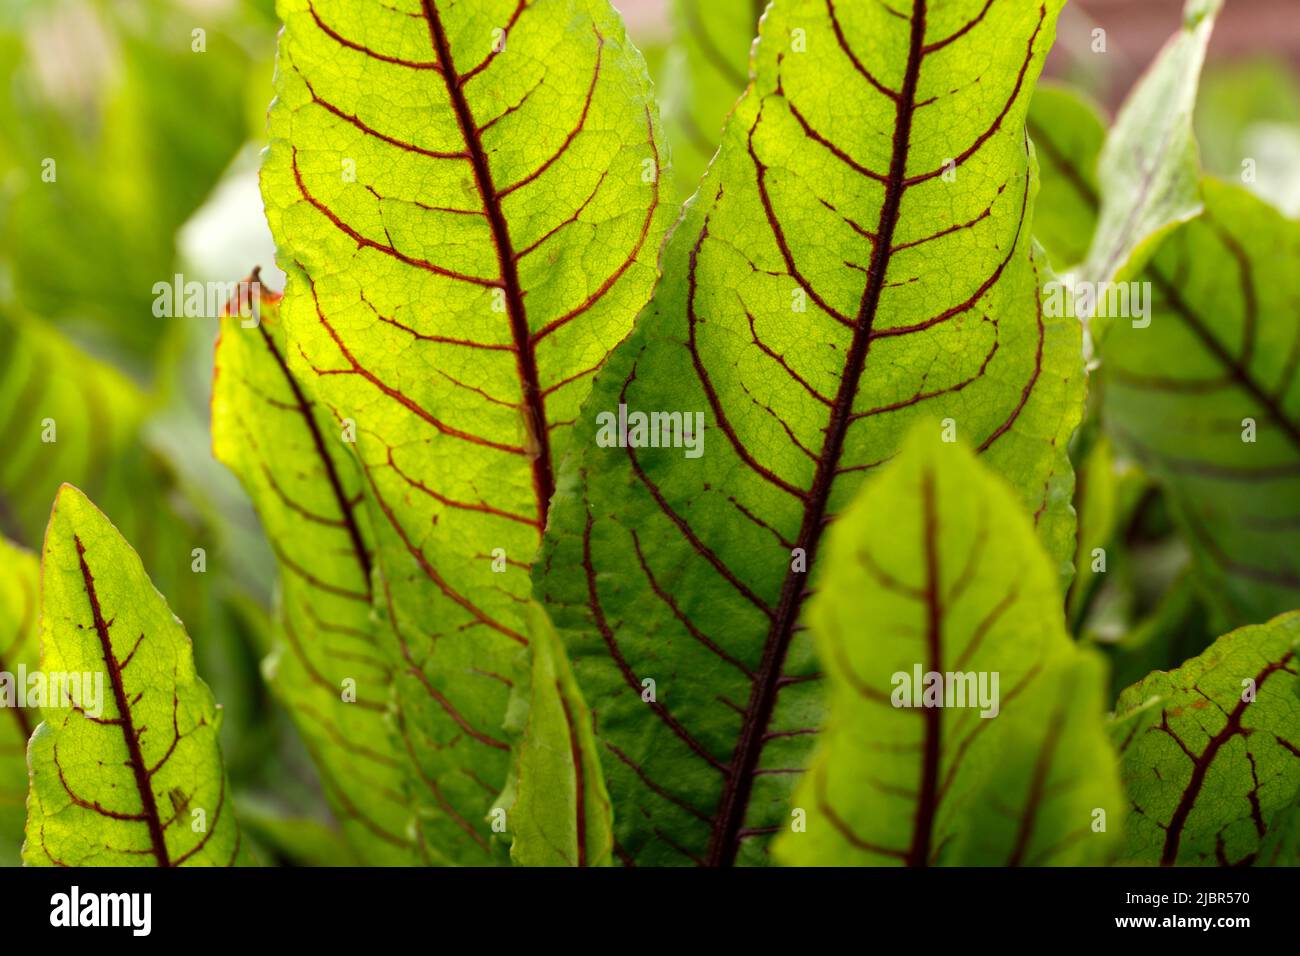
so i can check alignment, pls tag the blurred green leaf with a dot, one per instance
(19, 650)
(1148, 167)
(1068, 131)
(119, 129)
(705, 70)
(1207, 398)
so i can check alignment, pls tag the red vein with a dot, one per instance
(539, 447)
(135, 759)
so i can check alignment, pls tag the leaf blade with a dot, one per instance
(94, 596)
(942, 554)
(1209, 754)
(716, 540)
(453, 304)
(268, 428)
(1148, 191)
(563, 815)
(1219, 425)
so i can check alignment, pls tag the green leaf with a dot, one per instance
(562, 816)
(1281, 846)
(293, 841)
(1208, 400)
(1067, 131)
(934, 569)
(1209, 751)
(103, 91)
(1149, 167)
(706, 70)
(1107, 493)
(19, 597)
(330, 664)
(690, 571)
(125, 771)
(63, 416)
(453, 299)
(1249, 110)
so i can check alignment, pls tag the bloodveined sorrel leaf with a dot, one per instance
(1210, 752)
(935, 569)
(465, 198)
(1208, 400)
(1149, 166)
(329, 664)
(682, 579)
(1068, 132)
(562, 816)
(19, 598)
(706, 70)
(127, 771)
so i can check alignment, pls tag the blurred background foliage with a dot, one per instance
(154, 132)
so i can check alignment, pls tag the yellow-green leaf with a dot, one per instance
(126, 767)
(705, 71)
(330, 664)
(19, 655)
(466, 200)
(935, 583)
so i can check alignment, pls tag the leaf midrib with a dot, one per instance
(331, 472)
(1201, 764)
(725, 838)
(125, 720)
(534, 404)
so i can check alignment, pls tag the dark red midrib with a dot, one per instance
(1240, 375)
(1201, 766)
(125, 720)
(534, 403)
(927, 803)
(725, 838)
(349, 520)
